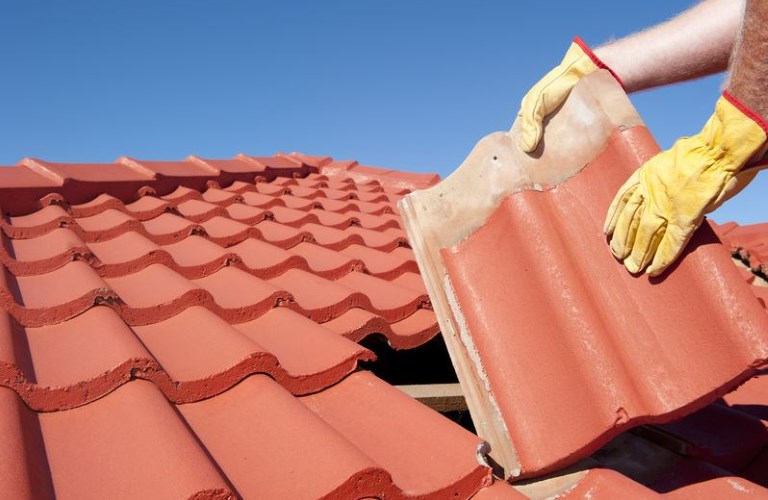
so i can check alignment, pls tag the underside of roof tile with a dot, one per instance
(558, 348)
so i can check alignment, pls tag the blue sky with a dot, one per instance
(410, 85)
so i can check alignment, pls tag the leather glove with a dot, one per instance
(656, 211)
(550, 92)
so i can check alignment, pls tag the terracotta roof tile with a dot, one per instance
(525, 285)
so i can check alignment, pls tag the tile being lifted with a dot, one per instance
(557, 347)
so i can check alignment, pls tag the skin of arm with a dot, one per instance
(696, 43)
(749, 65)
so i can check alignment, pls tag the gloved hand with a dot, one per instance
(656, 211)
(550, 92)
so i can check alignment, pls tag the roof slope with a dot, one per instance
(571, 348)
(171, 329)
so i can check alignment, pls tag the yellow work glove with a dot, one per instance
(550, 92)
(657, 210)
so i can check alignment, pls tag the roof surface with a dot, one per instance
(171, 329)
(193, 334)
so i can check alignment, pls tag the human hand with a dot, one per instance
(656, 211)
(550, 92)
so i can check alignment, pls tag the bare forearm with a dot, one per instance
(696, 43)
(749, 66)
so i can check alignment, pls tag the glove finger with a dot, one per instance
(541, 100)
(626, 225)
(671, 246)
(650, 232)
(618, 203)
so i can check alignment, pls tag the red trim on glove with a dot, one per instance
(747, 112)
(600, 64)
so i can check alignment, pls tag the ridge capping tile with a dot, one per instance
(499, 190)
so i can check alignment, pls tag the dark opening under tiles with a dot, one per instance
(416, 329)
(720, 435)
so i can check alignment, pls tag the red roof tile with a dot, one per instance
(569, 347)
(164, 316)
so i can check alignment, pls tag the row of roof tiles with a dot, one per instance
(200, 318)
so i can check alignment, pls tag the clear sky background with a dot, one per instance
(403, 84)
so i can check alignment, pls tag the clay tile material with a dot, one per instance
(184, 168)
(240, 296)
(327, 263)
(260, 200)
(126, 253)
(44, 253)
(125, 439)
(89, 172)
(290, 336)
(425, 453)
(167, 228)
(155, 293)
(78, 360)
(558, 348)
(53, 297)
(333, 238)
(381, 264)
(247, 214)
(147, 207)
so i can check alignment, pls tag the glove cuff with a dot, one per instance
(600, 64)
(761, 162)
(746, 110)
